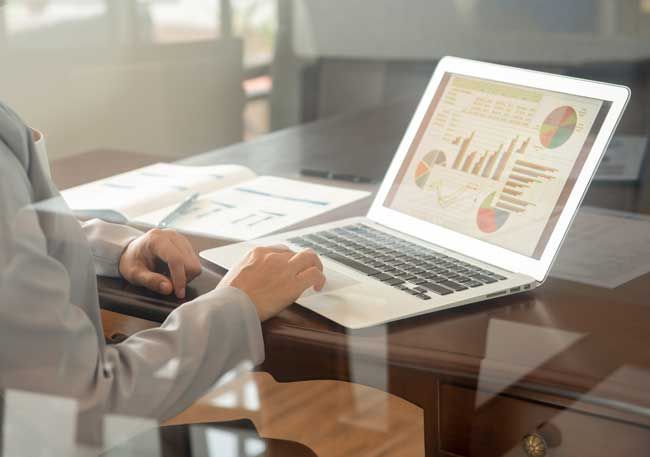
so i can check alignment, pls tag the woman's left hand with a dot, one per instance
(139, 260)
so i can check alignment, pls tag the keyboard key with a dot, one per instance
(353, 264)
(453, 285)
(383, 277)
(473, 284)
(406, 276)
(423, 297)
(433, 277)
(394, 282)
(463, 280)
(440, 290)
(484, 279)
(419, 281)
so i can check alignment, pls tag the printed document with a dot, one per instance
(234, 203)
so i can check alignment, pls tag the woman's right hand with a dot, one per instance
(275, 277)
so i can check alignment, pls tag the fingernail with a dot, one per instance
(181, 293)
(163, 287)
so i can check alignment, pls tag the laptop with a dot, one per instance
(476, 203)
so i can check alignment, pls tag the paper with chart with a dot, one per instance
(127, 196)
(257, 208)
(496, 161)
(605, 248)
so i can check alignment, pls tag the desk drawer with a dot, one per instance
(486, 426)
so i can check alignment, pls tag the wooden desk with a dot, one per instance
(568, 362)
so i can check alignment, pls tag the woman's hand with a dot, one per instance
(139, 260)
(276, 277)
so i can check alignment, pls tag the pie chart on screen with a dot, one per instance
(490, 219)
(558, 127)
(423, 171)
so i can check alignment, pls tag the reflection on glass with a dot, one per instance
(578, 429)
(165, 79)
(364, 372)
(515, 349)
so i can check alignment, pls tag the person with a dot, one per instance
(51, 336)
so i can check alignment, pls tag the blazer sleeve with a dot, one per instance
(107, 243)
(52, 346)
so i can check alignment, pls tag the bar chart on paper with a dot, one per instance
(259, 207)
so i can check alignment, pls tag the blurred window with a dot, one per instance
(256, 22)
(183, 20)
(25, 15)
(42, 24)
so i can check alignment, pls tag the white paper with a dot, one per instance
(141, 191)
(623, 159)
(605, 248)
(257, 208)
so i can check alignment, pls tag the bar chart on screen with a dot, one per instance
(494, 159)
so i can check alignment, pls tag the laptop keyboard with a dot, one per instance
(406, 266)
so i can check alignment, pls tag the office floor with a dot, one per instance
(332, 418)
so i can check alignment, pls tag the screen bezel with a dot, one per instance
(509, 260)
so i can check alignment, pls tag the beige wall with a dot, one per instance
(171, 101)
(88, 84)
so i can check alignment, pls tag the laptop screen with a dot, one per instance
(497, 161)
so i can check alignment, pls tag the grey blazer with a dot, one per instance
(51, 338)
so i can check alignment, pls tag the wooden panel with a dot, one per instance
(478, 424)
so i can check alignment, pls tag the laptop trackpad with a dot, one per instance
(335, 281)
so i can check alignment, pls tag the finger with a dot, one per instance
(279, 248)
(305, 260)
(276, 249)
(184, 243)
(191, 260)
(179, 241)
(174, 260)
(153, 281)
(312, 277)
